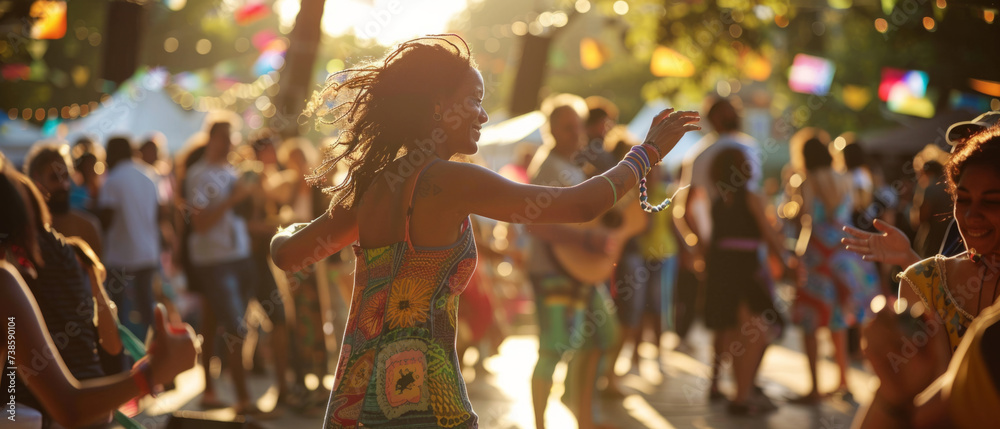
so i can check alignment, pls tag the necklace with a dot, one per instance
(976, 259)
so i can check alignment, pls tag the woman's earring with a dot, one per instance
(974, 257)
(437, 116)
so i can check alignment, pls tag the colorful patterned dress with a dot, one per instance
(398, 366)
(829, 268)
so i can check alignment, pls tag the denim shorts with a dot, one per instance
(225, 286)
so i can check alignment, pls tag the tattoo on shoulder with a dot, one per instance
(427, 189)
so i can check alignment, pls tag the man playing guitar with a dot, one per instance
(568, 266)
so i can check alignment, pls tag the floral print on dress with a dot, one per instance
(372, 313)
(409, 302)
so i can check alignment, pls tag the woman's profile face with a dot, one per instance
(463, 116)
(977, 208)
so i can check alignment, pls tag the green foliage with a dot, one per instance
(717, 36)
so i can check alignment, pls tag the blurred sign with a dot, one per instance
(811, 75)
(668, 62)
(905, 91)
(50, 19)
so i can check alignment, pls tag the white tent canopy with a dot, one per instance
(16, 137)
(526, 127)
(496, 145)
(498, 141)
(137, 113)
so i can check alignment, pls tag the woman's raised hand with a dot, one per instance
(669, 126)
(889, 245)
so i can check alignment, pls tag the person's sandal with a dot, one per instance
(212, 404)
(808, 400)
(743, 410)
(844, 395)
(764, 403)
(251, 410)
(715, 395)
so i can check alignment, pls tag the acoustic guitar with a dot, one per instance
(625, 220)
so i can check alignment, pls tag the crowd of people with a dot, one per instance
(112, 250)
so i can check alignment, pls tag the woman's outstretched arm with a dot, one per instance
(477, 190)
(302, 245)
(486, 193)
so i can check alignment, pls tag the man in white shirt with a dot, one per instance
(219, 249)
(128, 206)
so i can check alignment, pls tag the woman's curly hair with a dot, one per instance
(379, 108)
(982, 148)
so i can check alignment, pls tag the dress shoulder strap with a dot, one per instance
(409, 204)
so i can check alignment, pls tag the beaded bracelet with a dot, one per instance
(639, 161)
(631, 168)
(644, 157)
(646, 207)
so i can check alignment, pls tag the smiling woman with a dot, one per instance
(406, 208)
(957, 289)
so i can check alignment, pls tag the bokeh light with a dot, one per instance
(334, 65)
(242, 44)
(668, 62)
(175, 5)
(621, 7)
(592, 54)
(929, 23)
(203, 46)
(881, 25)
(519, 28)
(170, 45)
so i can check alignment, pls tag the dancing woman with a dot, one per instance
(838, 284)
(406, 208)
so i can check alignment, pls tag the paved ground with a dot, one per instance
(674, 399)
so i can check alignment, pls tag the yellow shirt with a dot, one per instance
(658, 242)
(928, 279)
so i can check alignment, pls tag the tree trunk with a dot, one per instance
(296, 79)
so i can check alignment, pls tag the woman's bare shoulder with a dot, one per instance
(12, 285)
(459, 173)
